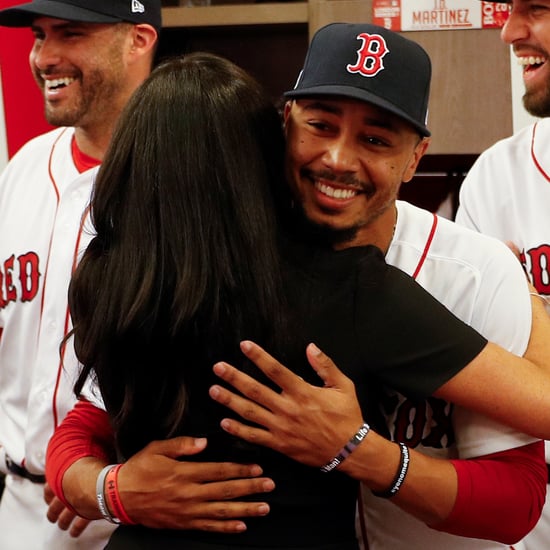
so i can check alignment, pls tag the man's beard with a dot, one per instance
(321, 235)
(536, 104)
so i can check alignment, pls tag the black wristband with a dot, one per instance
(399, 476)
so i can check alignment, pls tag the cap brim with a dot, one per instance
(23, 16)
(362, 95)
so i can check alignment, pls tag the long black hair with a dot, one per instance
(186, 261)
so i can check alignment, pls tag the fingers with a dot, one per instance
(55, 509)
(251, 434)
(78, 526)
(205, 472)
(178, 446)
(235, 489)
(48, 493)
(275, 371)
(324, 366)
(247, 409)
(66, 519)
(211, 506)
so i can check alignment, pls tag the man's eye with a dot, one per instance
(372, 140)
(318, 125)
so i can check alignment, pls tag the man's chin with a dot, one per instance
(320, 233)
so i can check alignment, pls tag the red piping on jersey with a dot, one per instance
(67, 321)
(426, 248)
(82, 163)
(537, 164)
(50, 173)
(56, 190)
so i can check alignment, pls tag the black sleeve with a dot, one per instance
(410, 340)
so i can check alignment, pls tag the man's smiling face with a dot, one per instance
(346, 160)
(79, 67)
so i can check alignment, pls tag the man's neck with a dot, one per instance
(93, 143)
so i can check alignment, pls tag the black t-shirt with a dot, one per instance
(380, 327)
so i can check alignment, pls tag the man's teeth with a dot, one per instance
(59, 82)
(532, 60)
(335, 193)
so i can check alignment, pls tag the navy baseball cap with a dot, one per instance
(86, 11)
(369, 63)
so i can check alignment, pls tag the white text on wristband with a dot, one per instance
(348, 448)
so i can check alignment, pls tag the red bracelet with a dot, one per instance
(113, 498)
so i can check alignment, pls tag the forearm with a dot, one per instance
(79, 486)
(76, 453)
(430, 488)
(538, 350)
(525, 381)
(496, 497)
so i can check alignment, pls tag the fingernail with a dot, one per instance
(263, 509)
(255, 470)
(225, 424)
(214, 391)
(269, 485)
(314, 349)
(219, 368)
(245, 345)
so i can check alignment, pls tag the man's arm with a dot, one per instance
(156, 487)
(311, 424)
(524, 381)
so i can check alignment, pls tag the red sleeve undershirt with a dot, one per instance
(85, 431)
(500, 496)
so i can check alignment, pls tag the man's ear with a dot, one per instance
(144, 38)
(286, 111)
(418, 153)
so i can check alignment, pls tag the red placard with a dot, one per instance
(23, 103)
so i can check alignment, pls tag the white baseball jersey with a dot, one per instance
(42, 201)
(506, 194)
(480, 281)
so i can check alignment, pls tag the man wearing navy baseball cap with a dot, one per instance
(87, 58)
(86, 11)
(356, 130)
(362, 72)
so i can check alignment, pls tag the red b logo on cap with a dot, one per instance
(369, 55)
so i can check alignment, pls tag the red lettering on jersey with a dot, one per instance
(540, 268)
(369, 55)
(29, 276)
(2, 297)
(409, 422)
(424, 422)
(23, 285)
(11, 292)
(441, 433)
